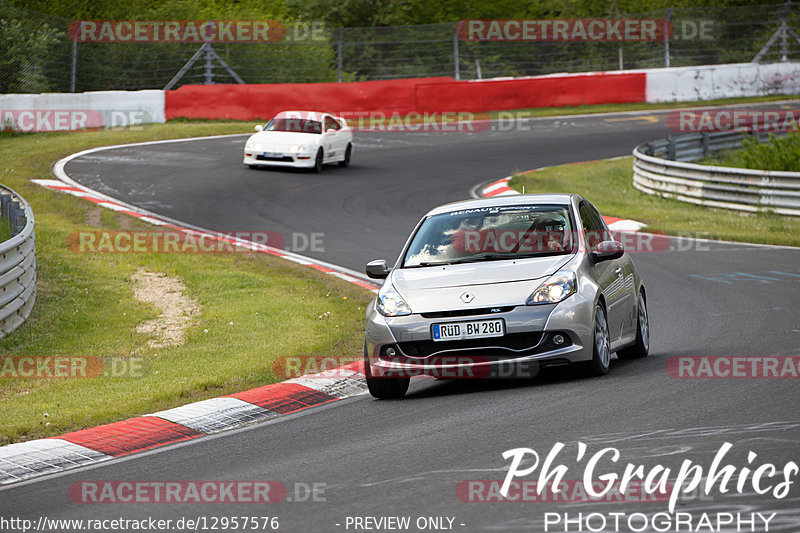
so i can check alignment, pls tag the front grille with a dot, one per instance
(285, 158)
(508, 345)
(468, 312)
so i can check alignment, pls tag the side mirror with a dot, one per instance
(259, 127)
(607, 250)
(377, 269)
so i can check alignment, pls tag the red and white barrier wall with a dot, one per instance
(432, 95)
(440, 95)
(422, 95)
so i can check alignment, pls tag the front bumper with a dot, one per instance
(288, 160)
(403, 346)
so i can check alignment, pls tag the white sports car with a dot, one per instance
(300, 139)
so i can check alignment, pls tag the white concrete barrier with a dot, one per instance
(71, 111)
(685, 84)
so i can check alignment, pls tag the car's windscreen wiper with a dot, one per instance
(486, 257)
(482, 257)
(498, 257)
(428, 264)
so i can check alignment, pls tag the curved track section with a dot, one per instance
(365, 211)
(407, 458)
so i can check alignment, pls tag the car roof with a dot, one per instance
(505, 200)
(302, 115)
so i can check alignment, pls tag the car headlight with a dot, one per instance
(250, 146)
(390, 303)
(297, 148)
(556, 288)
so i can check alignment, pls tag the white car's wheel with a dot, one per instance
(347, 153)
(318, 162)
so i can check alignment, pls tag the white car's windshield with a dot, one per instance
(297, 125)
(491, 233)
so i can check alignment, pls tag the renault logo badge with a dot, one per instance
(467, 297)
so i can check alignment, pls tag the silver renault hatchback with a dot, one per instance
(502, 287)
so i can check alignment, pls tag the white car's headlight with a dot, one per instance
(250, 146)
(298, 148)
(556, 288)
(390, 303)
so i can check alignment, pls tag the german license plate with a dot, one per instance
(273, 154)
(475, 329)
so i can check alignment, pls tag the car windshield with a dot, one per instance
(297, 125)
(491, 233)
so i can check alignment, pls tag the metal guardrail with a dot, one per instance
(17, 262)
(664, 168)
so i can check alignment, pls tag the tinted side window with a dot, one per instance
(592, 225)
(599, 219)
(331, 124)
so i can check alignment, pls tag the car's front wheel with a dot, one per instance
(641, 347)
(347, 153)
(318, 161)
(387, 388)
(384, 388)
(601, 354)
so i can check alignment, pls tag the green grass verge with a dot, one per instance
(780, 153)
(255, 308)
(609, 185)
